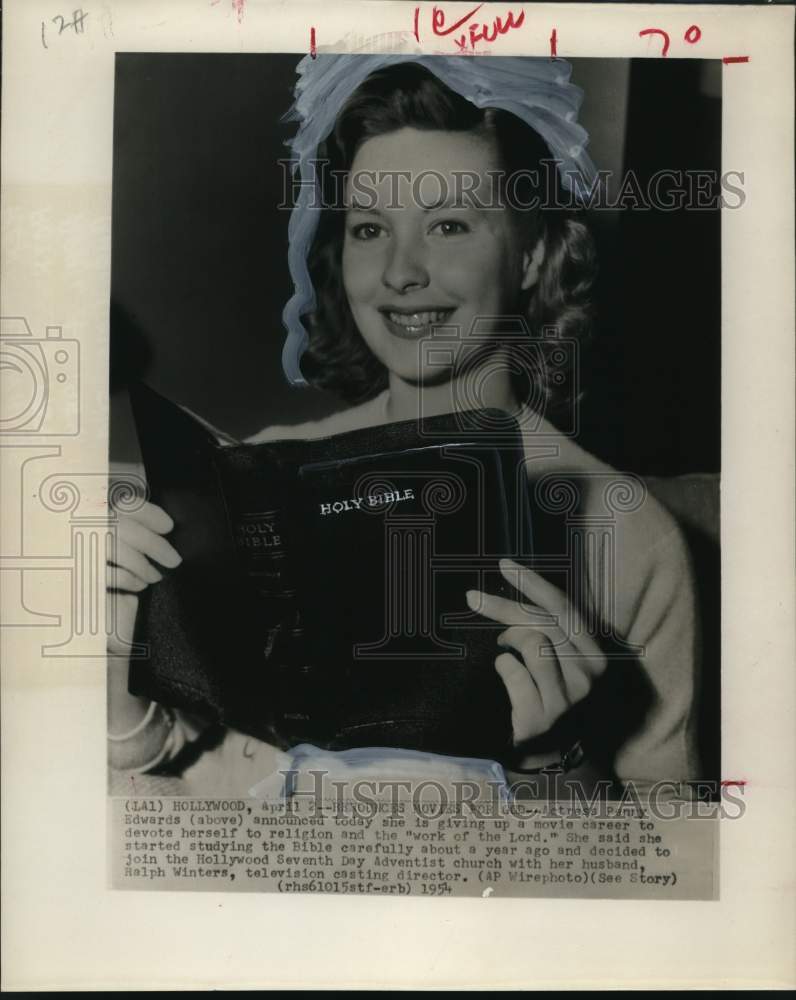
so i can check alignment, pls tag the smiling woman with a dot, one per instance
(446, 268)
(408, 267)
(444, 224)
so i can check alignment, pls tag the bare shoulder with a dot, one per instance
(368, 414)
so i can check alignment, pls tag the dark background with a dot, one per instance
(199, 265)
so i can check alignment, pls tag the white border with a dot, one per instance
(61, 926)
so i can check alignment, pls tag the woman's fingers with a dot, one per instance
(548, 669)
(118, 578)
(540, 687)
(152, 517)
(137, 540)
(542, 665)
(126, 557)
(534, 587)
(542, 592)
(537, 697)
(547, 604)
(529, 638)
(578, 680)
(138, 536)
(563, 674)
(506, 611)
(527, 711)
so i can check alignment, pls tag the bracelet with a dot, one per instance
(165, 751)
(150, 714)
(569, 759)
(147, 744)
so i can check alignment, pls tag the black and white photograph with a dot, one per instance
(459, 320)
(397, 426)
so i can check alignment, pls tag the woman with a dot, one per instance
(439, 224)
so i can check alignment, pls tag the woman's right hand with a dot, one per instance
(133, 565)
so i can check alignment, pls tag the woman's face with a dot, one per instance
(423, 249)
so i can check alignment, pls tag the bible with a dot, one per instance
(321, 596)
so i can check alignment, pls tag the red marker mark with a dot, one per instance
(238, 6)
(693, 34)
(734, 59)
(554, 43)
(657, 31)
(438, 20)
(313, 47)
(475, 32)
(417, 20)
(733, 783)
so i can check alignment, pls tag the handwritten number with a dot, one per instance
(693, 34)
(77, 23)
(438, 20)
(657, 31)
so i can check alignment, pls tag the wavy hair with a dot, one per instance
(408, 95)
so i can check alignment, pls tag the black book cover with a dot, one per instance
(321, 596)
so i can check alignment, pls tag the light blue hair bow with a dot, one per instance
(536, 90)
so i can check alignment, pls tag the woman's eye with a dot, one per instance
(366, 231)
(449, 227)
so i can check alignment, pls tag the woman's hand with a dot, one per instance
(545, 670)
(139, 545)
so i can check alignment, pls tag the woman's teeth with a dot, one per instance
(416, 321)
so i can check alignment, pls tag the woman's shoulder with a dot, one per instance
(648, 550)
(366, 414)
(597, 490)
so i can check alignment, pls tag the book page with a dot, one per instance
(581, 215)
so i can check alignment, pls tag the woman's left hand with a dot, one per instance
(547, 669)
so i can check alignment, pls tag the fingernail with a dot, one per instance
(506, 563)
(472, 599)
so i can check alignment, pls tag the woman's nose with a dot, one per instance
(405, 268)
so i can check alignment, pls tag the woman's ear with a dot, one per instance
(531, 262)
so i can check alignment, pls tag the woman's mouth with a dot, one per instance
(412, 325)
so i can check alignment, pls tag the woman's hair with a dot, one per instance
(408, 95)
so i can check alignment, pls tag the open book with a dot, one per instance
(321, 597)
